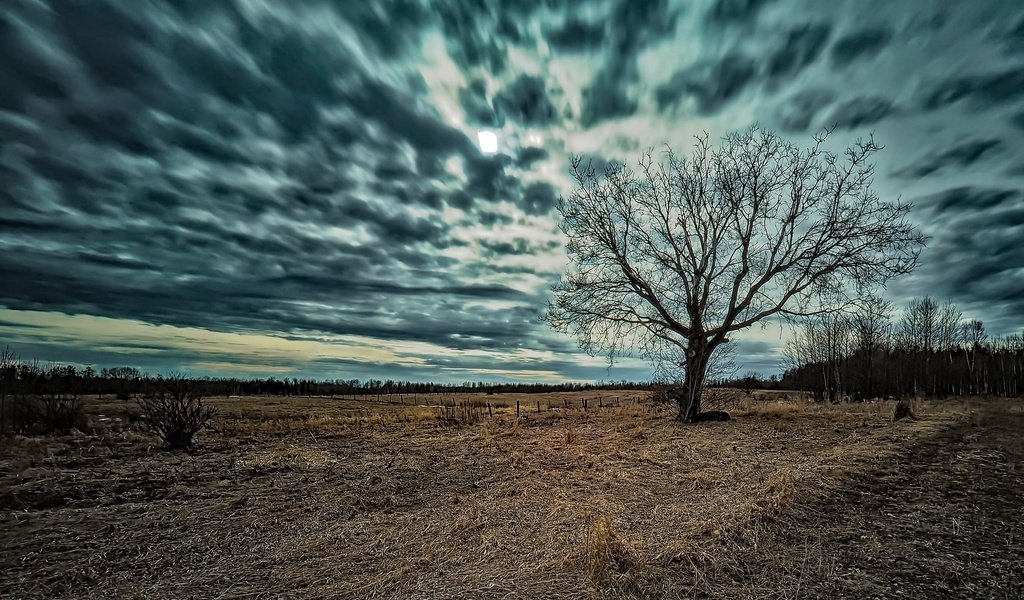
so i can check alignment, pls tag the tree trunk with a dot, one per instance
(693, 382)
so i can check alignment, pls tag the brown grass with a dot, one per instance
(311, 498)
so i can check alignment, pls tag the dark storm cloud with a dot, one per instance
(802, 46)
(479, 34)
(712, 84)
(1015, 38)
(637, 23)
(530, 155)
(428, 313)
(735, 11)
(859, 44)
(961, 155)
(14, 325)
(489, 179)
(606, 98)
(25, 72)
(975, 254)
(984, 90)
(516, 247)
(633, 25)
(576, 34)
(797, 113)
(539, 198)
(526, 101)
(479, 111)
(858, 112)
(968, 199)
(388, 27)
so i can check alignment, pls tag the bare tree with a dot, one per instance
(929, 328)
(126, 378)
(824, 341)
(871, 329)
(918, 327)
(8, 365)
(949, 328)
(975, 338)
(682, 252)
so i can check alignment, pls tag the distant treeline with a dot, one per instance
(21, 377)
(930, 351)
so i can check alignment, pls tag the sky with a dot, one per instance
(266, 188)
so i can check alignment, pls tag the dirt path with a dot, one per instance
(944, 520)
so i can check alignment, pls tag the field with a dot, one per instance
(354, 498)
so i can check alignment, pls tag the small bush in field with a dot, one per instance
(175, 412)
(61, 412)
(52, 413)
(903, 410)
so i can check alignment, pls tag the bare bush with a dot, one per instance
(903, 410)
(44, 415)
(175, 411)
(61, 412)
(48, 403)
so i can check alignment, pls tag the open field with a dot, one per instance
(342, 498)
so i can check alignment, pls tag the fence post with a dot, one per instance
(538, 406)
(517, 409)
(490, 412)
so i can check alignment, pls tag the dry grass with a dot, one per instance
(311, 498)
(612, 564)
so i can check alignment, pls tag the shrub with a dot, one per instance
(175, 411)
(61, 412)
(45, 414)
(903, 410)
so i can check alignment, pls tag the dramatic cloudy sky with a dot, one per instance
(279, 188)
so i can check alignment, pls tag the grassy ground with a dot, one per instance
(311, 498)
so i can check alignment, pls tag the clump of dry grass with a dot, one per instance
(609, 558)
(773, 409)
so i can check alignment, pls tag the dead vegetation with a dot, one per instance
(308, 498)
(175, 412)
